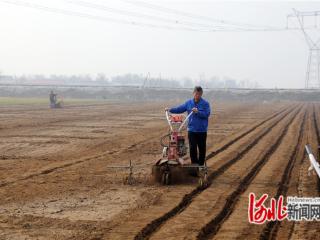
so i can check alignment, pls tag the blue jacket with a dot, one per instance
(198, 122)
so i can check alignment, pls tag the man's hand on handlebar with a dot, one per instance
(195, 110)
(166, 109)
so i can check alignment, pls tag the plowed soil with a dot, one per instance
(58, 181)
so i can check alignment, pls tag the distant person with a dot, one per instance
(53, 99)
(198, 124)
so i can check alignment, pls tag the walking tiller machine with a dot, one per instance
(174, 154)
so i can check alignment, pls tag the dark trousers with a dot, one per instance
(197, 140)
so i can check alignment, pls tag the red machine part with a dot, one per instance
(176, 118)
(173, 153)
(176, 146)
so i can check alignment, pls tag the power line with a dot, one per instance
(190, 15)
(128, 22)
(205, 27)
(90, 16)
(140, 15)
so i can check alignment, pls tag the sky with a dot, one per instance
(42, 41)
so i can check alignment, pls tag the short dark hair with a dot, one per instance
(198, 89)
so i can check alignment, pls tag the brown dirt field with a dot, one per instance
(55, 182)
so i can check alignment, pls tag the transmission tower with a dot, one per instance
(308, 23)
(146, 81)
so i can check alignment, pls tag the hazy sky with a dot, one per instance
(35, 41)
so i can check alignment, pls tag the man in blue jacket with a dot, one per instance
(198, 124)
